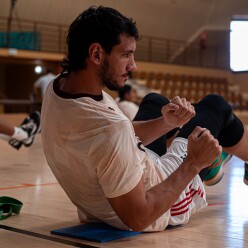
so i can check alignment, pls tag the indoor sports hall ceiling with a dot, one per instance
(174, 19)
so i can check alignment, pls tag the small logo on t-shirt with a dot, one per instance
(140, 144)
(183, 156)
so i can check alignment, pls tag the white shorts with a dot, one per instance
(193, 198)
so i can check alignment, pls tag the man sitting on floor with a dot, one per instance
(98, 155)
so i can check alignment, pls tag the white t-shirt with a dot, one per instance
(43, 82)
(91, 147)
(128, 108)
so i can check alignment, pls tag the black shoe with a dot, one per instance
(16, 143)
(31, 125)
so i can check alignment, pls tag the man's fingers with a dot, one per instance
(197, 132)
(205, 134)
(203, 147)
(185, 110)
(190, 113)
(169, 107)
(206, 138)
(180, 102)
(177, 100)
(213, 148)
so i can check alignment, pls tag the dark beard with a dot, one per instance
(107, 78)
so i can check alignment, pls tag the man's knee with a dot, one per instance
(156, 98)
(220, 106)
(150, 107)
(217, 102)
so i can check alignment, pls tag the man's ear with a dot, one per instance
(95, 53)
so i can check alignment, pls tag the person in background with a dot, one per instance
(23, 134)
(126, 101)
(41, 84)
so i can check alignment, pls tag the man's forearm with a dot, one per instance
(162, 197)
(147, 207)
(150, 130)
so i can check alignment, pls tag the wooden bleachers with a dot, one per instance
(190, 87)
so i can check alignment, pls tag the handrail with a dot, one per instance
(151, 49)
(31, 21)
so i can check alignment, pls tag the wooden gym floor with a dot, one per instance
(26, 176)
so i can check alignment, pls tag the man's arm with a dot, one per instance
(150, 130)
(175, 114)
(146, 207)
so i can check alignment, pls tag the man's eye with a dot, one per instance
(126, 55)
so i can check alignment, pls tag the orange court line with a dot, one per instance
(216, 204)
(26, 185)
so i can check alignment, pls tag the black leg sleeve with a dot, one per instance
(150, 108)
(215, 114)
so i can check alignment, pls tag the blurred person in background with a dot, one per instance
(126, 101)
(40, 85)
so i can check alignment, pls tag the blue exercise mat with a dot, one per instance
(98, 232)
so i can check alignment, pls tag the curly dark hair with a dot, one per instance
(103, 25)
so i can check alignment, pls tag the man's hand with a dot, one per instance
(203, 148)
(178, 112)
